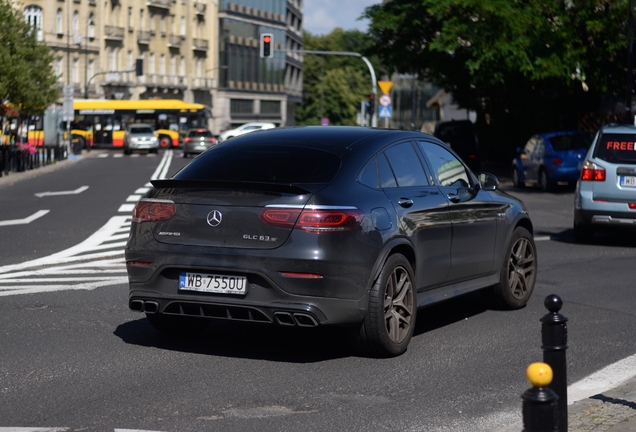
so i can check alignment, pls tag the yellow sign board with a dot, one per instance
(385, 86)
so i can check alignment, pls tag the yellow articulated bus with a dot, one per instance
(102, 123)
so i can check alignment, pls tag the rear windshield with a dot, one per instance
(200, 133)
(616, 148)
(263, 163)
(570, 142)
(141, 130)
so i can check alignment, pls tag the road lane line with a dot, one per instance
(38, 214)
(602, 380)
(79, 190)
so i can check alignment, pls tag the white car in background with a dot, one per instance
(245, 128)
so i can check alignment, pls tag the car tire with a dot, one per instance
(516, 179)
(583, 233)
(164, 142)
(544, 181)
(390, 319)
(127, 151)
(175, 324)
(518, 272)
(185, 155)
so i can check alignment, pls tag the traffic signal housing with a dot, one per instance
(371, 105)
(267, 42)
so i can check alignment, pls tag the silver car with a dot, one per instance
(606, 191)
(140, 137)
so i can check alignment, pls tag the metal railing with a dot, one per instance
(20, 158)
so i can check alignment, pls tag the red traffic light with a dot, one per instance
(267, 40)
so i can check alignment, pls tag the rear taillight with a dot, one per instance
(152, 210)
(313, 220)
(212, 140)
(557, 161)
(188, 139)
(632, 206)
(592, 172)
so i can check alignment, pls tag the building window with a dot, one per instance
(111, 59)
(151, 64)
(182, 71)
(59, 70)
(162, 25)
(162, 64)
(241, 106)
(75, 23)
(151, 23)
(141, 20)
(33, 16)
(129, 61)
(59, 22)
(130, 18)
(173, 65)
(183, 26)
(91, 26)
(75, 71)
(90, 71)
(270, 107)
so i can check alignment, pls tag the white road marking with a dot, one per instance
(38, 214)
(96, 262)
(605, 379)
(542, 238)
(79, 190)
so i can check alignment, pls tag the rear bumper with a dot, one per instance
(602, 213)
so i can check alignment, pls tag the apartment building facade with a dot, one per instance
(204, 51)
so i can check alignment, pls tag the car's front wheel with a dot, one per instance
(388, 326)
(518, 272)
(516, 178)
(544, 181)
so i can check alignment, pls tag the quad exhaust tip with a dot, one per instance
(295, 319)
(148, 306)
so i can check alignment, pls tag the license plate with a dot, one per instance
(629, 181)
(221, 284)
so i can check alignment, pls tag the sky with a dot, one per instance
(320, 17)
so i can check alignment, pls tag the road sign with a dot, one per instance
(385, 100)
(67, 109)
(324, 121)
(385, 86)
(385, 112)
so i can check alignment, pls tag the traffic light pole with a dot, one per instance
(374, 83)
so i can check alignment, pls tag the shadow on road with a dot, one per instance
(244, 340)
(602, 237)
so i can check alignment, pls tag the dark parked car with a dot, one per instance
(550, 158)
(197, 141)
(315, 226)
(460, 135)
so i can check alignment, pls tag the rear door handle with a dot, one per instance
(405, 202)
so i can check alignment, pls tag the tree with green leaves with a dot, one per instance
(27, 80)
(523, 66)
(334, 86)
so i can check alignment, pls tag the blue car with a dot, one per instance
(550, 158)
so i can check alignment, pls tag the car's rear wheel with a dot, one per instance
(164, 142)
(516, 179)
(388, 326)
(518, 272)
(544, 181)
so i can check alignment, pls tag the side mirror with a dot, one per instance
(488, 181)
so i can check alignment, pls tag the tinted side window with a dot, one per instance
(406, 165)
(369, 175)
(529, 148)
(448, 170)
(387, 179)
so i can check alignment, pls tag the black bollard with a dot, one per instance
(539, 402)
(554, 337)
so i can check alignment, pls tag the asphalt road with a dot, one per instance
(73, 356)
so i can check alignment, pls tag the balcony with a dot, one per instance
(143, 37)
(160, 4)
(200, 83)
(174, 41)
(199, 8)
(113, 33)
(199, 44)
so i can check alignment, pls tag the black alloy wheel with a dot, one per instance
(390, 321)
(518, 272)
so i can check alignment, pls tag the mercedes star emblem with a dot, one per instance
(214, 218)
